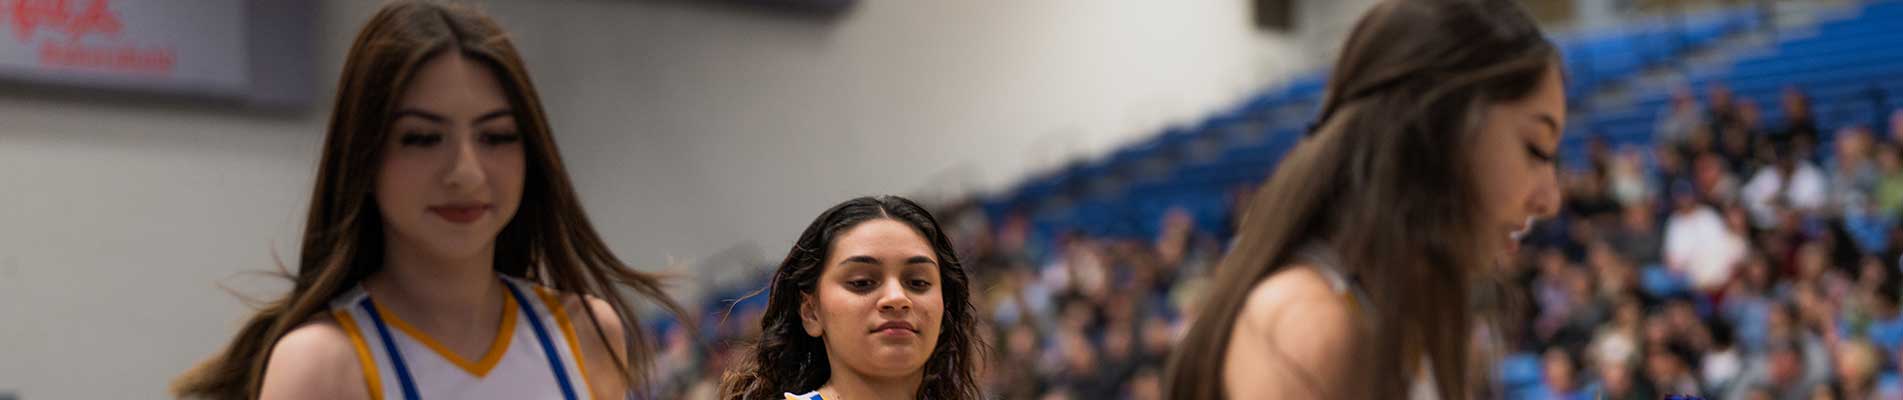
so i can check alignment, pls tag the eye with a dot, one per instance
(919, 284)
(419, 139)
(501, 138)
(1539, 155)
(861, 285)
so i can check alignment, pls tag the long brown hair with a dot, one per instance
(785, 359)
(549, 240)
(1385, 179)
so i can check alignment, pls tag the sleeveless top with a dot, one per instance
(1328, 264)
(813, 395)
(535, 354)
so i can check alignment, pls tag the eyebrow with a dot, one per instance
(439, 118)
(875, 261)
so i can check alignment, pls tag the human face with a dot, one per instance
(1516, 165)
(878, 305)
(452, 167)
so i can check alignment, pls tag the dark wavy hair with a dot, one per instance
(784, 359)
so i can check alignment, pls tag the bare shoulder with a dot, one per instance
(1294, 322)
(587, 310)
(315, 360)
(598, 356)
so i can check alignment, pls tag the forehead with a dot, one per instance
(454, 81)
(881, 238)
(1546, 101)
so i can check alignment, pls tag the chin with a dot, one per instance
(898, 365)
(457, 249)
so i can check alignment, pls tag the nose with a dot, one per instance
(1546, 197)
(892, 297)
(465, 166)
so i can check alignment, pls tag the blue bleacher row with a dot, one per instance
(1199, 168)
(1850, 69)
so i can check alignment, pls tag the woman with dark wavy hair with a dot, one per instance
(871, 303)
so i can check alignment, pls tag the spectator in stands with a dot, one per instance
(1889, 193)
(1698, 244)
(1668, 369)
(1856, 370)
(1800, 133)
(1723, 361)
(1751, 118)
(1618, 382)
(1587, 196)
(1678, 121)
(1637, 237)
(1720, 113)
(1781, 372)
(1617, 341)
(1896, 128)
(1791, 183)
(1751, 123)
(1748, 303)
(1559, 373)
(1853, 176)
(1628, 177)
(1715, 183)
(1885, 326)
(1738, 147)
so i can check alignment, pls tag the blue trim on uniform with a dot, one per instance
(541, 335)
(396, 357)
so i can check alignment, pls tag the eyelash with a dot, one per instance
(1538, 155)
(502, 138)
(863, 285)
(418, 139)
(421, 139)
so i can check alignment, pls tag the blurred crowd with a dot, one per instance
(1731, 256)
(1728, 258)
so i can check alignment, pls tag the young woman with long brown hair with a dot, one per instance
(446, 254)
(871, 303)
(1351, 273)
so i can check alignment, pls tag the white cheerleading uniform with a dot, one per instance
(535, 354)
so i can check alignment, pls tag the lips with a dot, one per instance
(896, 328)
(461, 213)
(1515, 233)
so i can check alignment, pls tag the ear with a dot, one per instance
(809, 315)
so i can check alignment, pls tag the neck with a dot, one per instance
(846, 384)
(445, 293)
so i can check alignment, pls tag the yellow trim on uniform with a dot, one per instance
(568, 331)
(370, 376)
(478, 368)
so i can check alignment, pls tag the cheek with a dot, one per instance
(1501, 177)
(400, 181)
(506, 169)
(932, 307)
(841, 309)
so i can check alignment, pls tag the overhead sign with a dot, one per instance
(191, 46)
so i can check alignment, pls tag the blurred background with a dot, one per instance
(1732, 170)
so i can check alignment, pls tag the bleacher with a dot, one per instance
(1200, 168)
(1849, 68)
